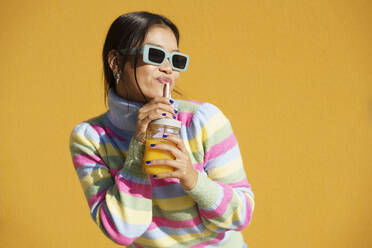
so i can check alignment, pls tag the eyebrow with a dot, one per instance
(161, 46)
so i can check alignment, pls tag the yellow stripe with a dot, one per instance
(108, 149)
(94, 177)
(214, 124)
(79, 138)
(177, 203)
(130, 215)
(226, 169)
(251, 200)
(195, 143)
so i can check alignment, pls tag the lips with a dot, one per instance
(164, 80)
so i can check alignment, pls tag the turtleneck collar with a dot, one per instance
(123, 113)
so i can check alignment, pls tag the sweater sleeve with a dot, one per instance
(222, 192)
(121, 205)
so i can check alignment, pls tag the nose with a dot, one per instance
(166, 67)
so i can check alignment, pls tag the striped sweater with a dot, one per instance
(135, 210)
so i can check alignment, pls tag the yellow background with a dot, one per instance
(294, 78)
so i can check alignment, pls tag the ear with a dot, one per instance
(113, 61)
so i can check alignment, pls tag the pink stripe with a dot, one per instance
(152, 226)
(134, 189)
(81, 159)
(185, 118)
(161, 221)
(97, 198)
(108, 131)
(248, 215)
(199, 166)
(111, 230)
(213, 241)
(114, 172)
(220, 148)
(242, 183)
(220, 210)
(194, 101)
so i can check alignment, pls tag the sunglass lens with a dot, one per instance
(156, 55)
(179, 61)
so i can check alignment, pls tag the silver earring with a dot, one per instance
(117, 76)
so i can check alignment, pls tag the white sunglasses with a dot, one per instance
(155, 55)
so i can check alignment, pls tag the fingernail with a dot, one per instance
(147, 162)
(171, 101)
(163, 114)
(164, 136)
(175, 111)
(174, 117)
(154, 176)
(152, 145)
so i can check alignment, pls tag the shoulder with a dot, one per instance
(193, 106)
(88, 129)
(191, 111)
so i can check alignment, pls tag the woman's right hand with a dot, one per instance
(157, 108)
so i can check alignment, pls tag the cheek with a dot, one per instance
(175, 76)
(147, 71)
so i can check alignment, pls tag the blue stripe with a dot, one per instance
(163, 231)
(88, 168)
(167, 191)
(134, 178)
(224, 158)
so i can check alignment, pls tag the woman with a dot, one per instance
(207, 199)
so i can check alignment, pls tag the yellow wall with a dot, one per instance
(294, 77)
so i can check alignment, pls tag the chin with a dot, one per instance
(153, 95)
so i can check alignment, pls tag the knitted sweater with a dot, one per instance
(135, 210)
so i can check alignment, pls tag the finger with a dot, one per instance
(164, 175)
(177, 140)
(158, 100)
(143, 123)
(160, 113)
(175, 151)
(174, 174)
(177, 165)
(158, 105)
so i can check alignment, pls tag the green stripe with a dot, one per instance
(186, 106)
(114, 162)
(97, 187)
(130, 201)
(233, 204)
(177, 215)
(218, 136)
(76, 149)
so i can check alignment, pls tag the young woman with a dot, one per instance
(206, 200)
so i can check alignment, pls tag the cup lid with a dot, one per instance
(168, 122)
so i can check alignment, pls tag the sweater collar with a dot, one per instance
(123, 113)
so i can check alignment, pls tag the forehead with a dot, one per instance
(162, 36)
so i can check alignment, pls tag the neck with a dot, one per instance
(122, 112)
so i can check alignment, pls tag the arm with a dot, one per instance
(121, 205)
(223, 194)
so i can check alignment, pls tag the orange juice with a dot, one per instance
(153, 154)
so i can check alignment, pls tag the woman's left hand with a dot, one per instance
(183, 168)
